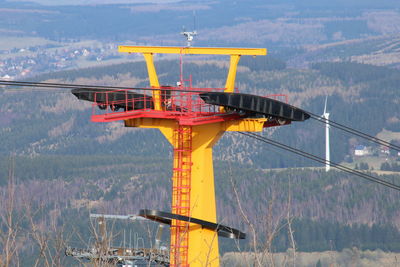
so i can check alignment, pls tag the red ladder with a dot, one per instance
(182, 142)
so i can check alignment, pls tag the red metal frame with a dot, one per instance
(182, 105)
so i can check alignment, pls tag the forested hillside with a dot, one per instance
(57, 167)
(67, 166)
(354, 90)
(331, 211)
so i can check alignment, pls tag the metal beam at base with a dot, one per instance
(166, 218)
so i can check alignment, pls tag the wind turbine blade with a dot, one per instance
(326, 101)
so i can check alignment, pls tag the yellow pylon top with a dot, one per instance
(148, 52)
(193, 50)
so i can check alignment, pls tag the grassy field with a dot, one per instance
(388, 135)
(374, 162)
(347, 257)
(7, 43)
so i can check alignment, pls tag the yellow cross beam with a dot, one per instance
(148, 52)
(193, 50)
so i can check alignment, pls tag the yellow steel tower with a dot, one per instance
(192, 120)
(193, 192)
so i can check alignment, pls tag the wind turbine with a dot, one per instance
(325, 116)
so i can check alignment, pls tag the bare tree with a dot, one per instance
(39, 234)
(50, 238)
(247, 220)
(289, 220)
(103, 238)
(8, 237)
(271, 224)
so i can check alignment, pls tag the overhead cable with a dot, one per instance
(354, 131)
(321, 160)
(83, 86)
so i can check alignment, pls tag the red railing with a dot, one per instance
(176, 102)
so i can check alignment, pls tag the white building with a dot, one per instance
(361, 150)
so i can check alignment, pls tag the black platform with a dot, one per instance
(166, 218)
(253, 104)
(116, 99)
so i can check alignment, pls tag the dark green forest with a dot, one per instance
(308, 135)
(57, 166)
(324, 236)
(49, 190)
(135, 21)
(67, 166)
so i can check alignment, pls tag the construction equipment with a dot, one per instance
(103, 252)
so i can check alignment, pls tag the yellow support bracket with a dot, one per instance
(235, 54)
(245, 125)
(230, 80)
(153, 79)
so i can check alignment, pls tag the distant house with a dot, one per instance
(25, 72)
(6, 77)
(361, 150)
(385, 150)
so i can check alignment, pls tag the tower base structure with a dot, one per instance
(193, 189)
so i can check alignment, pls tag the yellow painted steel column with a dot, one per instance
(203, 249)
(153, 79)
(203, 243)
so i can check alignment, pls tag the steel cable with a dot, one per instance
(354, 131)
(321, 160)
(83, 86)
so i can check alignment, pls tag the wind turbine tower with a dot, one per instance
(325, 116)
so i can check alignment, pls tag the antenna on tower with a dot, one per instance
(325, 116)
(190, 34)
